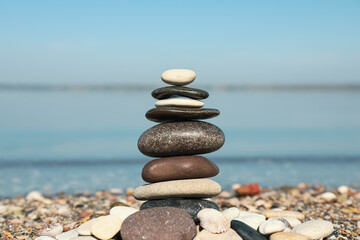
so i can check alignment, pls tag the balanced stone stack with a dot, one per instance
(178, 179)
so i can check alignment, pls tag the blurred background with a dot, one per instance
(76, 80)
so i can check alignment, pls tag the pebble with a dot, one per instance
(34, 196)
(164, 114)
(228, 235)
(213, 221)
(44, 238)
(67, 235)
(181, 138)
(278, 213)
(248, 190)
(271, 226)
(343, 189)
(253, 220)
(52, 230)
(85, 228)
(328, 196)
(159, 223)
(192, 188)
(179, 102)
(106, 227)
(192, 206)
(180, 167)
(122, 212)
(293, 222)
(245, 231)
(315, 229)
(83, 238)
(178, 77)
(168, 92)
(287, 236)
(231, 213)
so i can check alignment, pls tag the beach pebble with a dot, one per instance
(34, 196)
(271, 226)
(106, 227)
(246, 232)
(160, 223)
(251, 220)
(213, 221)
(189, 188)
(181, 138)
(231, 213)
(2, 209)
(178, 77)
(287, 236)
(248, 190)
(85, 228)
(83, 238)
(165, 114)
(343, 189)
(328, 196)
(279, 213)
(44, 238)
(179, 102)
(167, 92)
(293, 222)
(315, 229)
(52, 230)
(228, 235)
(122, 212)
(67, 235)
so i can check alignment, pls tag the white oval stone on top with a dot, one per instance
(178, 77)
(179, 102)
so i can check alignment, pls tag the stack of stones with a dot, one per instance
(178, 179)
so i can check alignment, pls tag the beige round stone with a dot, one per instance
(189, 188)
(85, 228)
(314, 229)
(179, 102)
(228, 235)
(287, 236)
(106, 227)
(178, 77)
(276, 213)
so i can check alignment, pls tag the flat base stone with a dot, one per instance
(166, 114)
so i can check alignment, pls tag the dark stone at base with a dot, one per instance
(167, 92)
(165, 114)
(191, 206)
(181, 138)
(245, 231)
(160, 223)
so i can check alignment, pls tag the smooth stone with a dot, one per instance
(106, 227)
(181, 138)
(83, 238)
(287, 236)
(67, 235)
(181, 167)
(44, 238)
(328, 196)
(168, 92)
(231, 213)
(159, 223)
(164, 114)
(276, 213)
(122, 212)
(315, 229)
(293, 222)
(85, 228)
(271, 226)
(179, 102)
(251, 220)
(52, 230)
(191, 206)
(193, 188)
(178, 77)
(228, 235)
(245, 231)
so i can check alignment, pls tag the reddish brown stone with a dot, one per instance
(181, 167)
(245, 190)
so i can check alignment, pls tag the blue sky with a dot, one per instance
(88, 41)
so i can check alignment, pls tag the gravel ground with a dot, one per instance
(23, 217)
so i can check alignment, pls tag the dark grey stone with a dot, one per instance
(191, 206)
(167, 92)
(166, 114)
(245, 231)
(181, 138)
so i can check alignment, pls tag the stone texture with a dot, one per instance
(191, 206)
(181, 138)
(179, 102)
(85, 228)
(122, 212)
(245, 231)
(231, 213)
(52, 230)
(193, 188)
(228, 235)
(44, 238)
(287, 236)
(271, 226)
(165, 114)
(173, 91)
(293, 222)
(106, 227)
(252, 220)
(178, 77)
(315, 229)
(275, 213)
(181, 167)
(67, 235)
(160, 223)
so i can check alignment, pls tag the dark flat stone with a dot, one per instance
(181, 138)
(245, 231)
(181, 167)
(167, 92)
(159, 223)
(191, 206)
(165, 114)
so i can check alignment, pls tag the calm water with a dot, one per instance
(290, 137)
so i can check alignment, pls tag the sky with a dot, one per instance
(87, 41)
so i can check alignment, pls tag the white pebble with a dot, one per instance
(85, 228)
(315, 229)
(271, 226)
(213, 221)
(34, 196)
(253, 219)
(328, 196)
(291, 220)
(44, 238)
(179, 102)
(106, 227)
(343, 189)
(122, 212)
(67, 235)
(231, 213)
(178, 76)
(52, 230)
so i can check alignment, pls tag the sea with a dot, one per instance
(76, 141)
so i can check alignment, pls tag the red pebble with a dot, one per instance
(248, 190)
